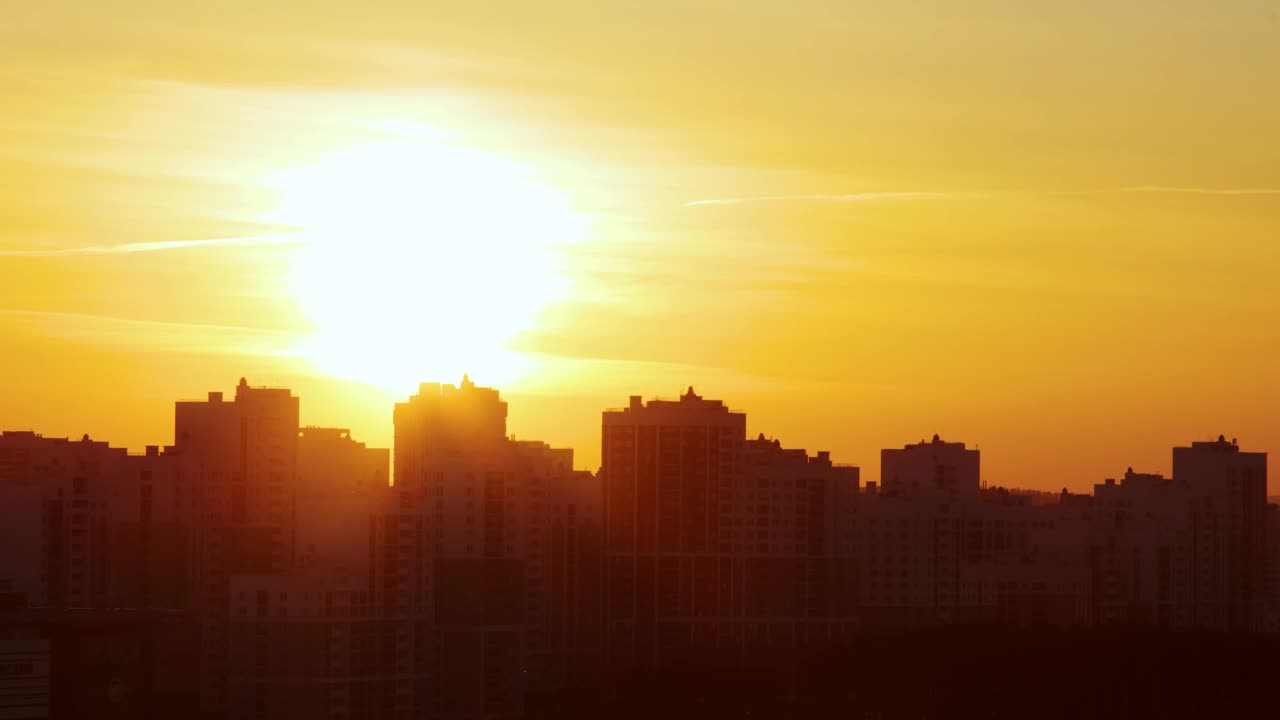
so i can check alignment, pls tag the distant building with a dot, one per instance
(340, 485)
(664, 467)
(155, 509)
(788, 523)
(111, 664)
(489, 551)
(931, 467)
(240, 459)
(1271, 614)
(243, 458)
(308, 644)
(1141, 552)
(25, 683)
(53, 502)
(714, 544)
(1228, 490)
(936, 547)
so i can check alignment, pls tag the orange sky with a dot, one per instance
(1049, 229)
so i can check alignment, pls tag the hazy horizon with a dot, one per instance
(587, 457)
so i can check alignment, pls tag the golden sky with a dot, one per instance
(1050, 229)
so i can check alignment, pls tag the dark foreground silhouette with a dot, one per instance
(975, 672)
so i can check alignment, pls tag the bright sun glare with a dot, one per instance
(425, 259)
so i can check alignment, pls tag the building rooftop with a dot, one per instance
(1220, 445)
(936, 442)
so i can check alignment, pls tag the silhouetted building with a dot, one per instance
(153, 510)
(240, 460)
(485, 557)
(340, 484)
(664, 466)
(308, 644)
(1141, 552)
(936, 547)
(1228, 497)
(25, 684)
(53, 502)
(910, 559)
(715, 545)
(788, 525)
(930, 467)
(85, 663)
(1271, 592)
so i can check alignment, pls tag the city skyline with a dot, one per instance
(258, 567)
(871, 466)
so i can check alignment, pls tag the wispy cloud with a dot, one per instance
(838, 198)
(873, 196)
(155, 335)
(158, 246)
(1195, 190)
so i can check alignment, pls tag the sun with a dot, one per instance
(425, 259)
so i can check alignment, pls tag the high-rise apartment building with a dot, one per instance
(308, 643)
(931, 467)
(153, 517)
(240, 460)
(53, 501)
(664, 465)
(715, 544)
(485, 554)
(1228, 497)
(340, 484)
